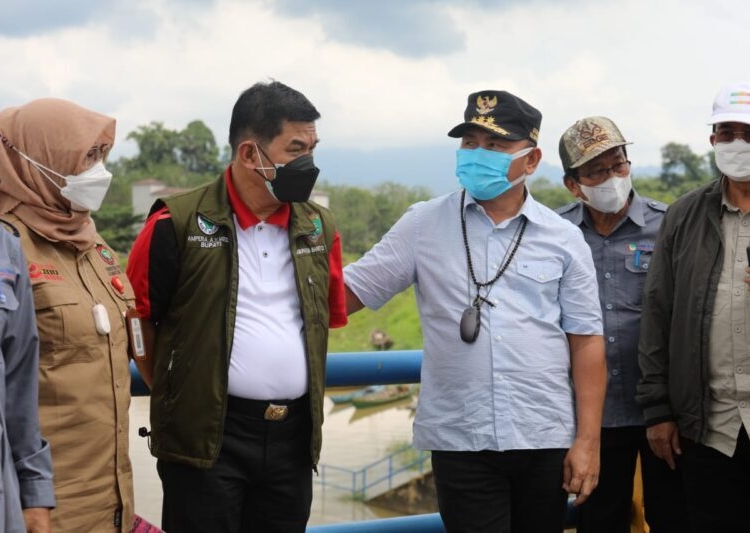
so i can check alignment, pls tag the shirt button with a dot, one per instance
(495, 301)
(265, 254)
(737, 292)
(494, 266)
(744, 222)
(609, 306)
(117, 384)
(499, 338)
(607, 275)
(738, 329)
(743, 404)
(606, 242)
(542, 276)
(740, 370)
(611, 339)
(260, 227)
(499, 376)
(615, 372)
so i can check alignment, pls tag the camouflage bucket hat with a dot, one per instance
(587, 139)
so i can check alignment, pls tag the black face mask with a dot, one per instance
(294, 181)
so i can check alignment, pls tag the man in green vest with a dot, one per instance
(237, 283)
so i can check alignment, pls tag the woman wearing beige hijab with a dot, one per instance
(52, 175)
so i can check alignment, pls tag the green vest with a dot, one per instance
(194, 340)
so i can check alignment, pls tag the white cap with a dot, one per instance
(732, 104)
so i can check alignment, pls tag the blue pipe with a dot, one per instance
(422, 523)
(368, 368)
(346, 369)
(373, 368)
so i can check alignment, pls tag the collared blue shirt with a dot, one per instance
(25, 457)
(511, 389)
(622, 259)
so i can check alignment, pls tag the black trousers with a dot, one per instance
(260, 483)
(517, 491)
(717, 486)
(608, 509)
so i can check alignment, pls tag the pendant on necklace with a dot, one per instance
(469, 325)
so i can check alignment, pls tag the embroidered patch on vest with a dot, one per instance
(315, 235)
(206, 226)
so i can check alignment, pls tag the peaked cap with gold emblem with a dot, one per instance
(501, 113)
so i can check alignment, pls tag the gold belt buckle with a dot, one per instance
(277, 413)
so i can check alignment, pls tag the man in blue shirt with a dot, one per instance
(507, 298)
(26, 488)
(620, 227)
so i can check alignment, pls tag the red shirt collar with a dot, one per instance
(247, 218)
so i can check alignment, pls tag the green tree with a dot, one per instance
(680, 166)
(549, 194)
(118, 225)
(364, 216)
(354, 209)
(156, 145)
(197, 150)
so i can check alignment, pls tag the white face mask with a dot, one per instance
(86, 190)
(733, 159)
(610, 196)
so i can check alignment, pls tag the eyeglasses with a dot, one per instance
(727, 135)
(98, 153)
(618, 169)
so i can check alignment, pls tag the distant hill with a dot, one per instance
(432, 167)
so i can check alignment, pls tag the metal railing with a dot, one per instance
(376, 474)
(369, 368)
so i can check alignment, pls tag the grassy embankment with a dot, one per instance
(398, 318)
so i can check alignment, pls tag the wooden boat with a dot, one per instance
(346, 397)
(389, 393)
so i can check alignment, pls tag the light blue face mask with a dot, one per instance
(484, 173)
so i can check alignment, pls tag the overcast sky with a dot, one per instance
(388, 76)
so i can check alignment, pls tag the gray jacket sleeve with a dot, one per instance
(655, 330)
(20, 348)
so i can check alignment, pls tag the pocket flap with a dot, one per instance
(46, 296)
(541, 271)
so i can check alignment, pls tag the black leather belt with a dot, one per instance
(273, 410)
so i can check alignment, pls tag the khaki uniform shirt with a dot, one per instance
(729, 338)
(84, 381)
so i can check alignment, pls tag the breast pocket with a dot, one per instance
(637, 268)
(542, 279)
(8, 302)
(65, 325)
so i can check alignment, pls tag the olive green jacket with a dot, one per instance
(193, 342)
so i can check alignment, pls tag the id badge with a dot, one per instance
(135, 333)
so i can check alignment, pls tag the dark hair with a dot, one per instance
(261, 109)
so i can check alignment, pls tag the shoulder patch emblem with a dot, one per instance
(105, 254)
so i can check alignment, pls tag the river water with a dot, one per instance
(352, 438)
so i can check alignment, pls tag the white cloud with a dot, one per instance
(652, 67)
